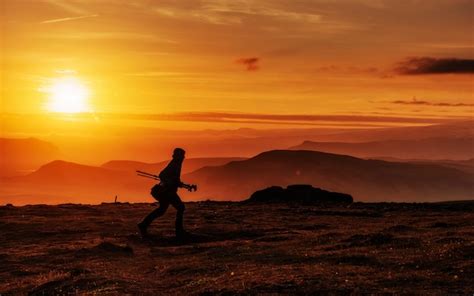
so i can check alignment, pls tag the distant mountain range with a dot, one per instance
(18, 156)
(189, 165)
(424, 148)
(62, 181)
(154, 144)
(455, 129)
(365, 180)
(419, 177)
(462, 165)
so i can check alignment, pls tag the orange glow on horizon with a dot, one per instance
(320, 58)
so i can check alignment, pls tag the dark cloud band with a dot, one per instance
(426, 103)
(429, 65)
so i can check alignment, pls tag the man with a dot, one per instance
(167, 193)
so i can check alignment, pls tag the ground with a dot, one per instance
(239, 248)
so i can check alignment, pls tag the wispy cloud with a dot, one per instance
(233, 12)
(67, 19)
(426, 103)
(449, 46)
(240, 12)
(107, 35)
(161, 74)
(349, 70)
(429, 65)
(285, 119)
(257, 8)
(67, 6)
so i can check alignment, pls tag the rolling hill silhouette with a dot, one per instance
(466, 165)
(425, 148)
(191, 164)
(61, 181)
(20, 155)
(365, 180)
(455, 129)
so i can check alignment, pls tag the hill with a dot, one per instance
(365, 180)
(455, 129)
(466, 165)
(424, 148)
(18, 156)
(191, 164)
(61, 181)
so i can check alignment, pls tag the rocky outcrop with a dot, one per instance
(299, 193)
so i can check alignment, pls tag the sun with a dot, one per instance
(68, 95)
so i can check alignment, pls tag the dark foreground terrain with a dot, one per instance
(239, 248)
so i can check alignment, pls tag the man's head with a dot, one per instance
(178, 153)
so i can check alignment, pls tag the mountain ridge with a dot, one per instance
(365, 180)
(459, 148)
(384, 181)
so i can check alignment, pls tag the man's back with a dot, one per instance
(171, 174)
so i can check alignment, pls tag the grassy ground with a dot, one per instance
(239, 248)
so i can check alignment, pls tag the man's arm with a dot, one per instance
(189, 187)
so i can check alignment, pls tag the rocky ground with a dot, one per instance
(239, 248)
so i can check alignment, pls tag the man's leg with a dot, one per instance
(179, 206)
(152, 216)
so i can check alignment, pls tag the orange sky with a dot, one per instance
(260, 57)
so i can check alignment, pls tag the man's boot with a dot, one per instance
(182, 234)
(143, 229)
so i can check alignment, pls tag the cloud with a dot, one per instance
(66, 19)
(67, 6)
(251, 64)
(348, 70)
(426, 103)
(285, 17)
(233, 12)
(285, 119)
(107, 35)
(429, 65)
(258, 8)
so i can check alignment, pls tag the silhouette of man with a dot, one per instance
(167, 194)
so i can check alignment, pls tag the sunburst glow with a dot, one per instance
(68, 95)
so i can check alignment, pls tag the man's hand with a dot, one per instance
(190, 187)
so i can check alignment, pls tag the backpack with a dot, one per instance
(157, 191)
